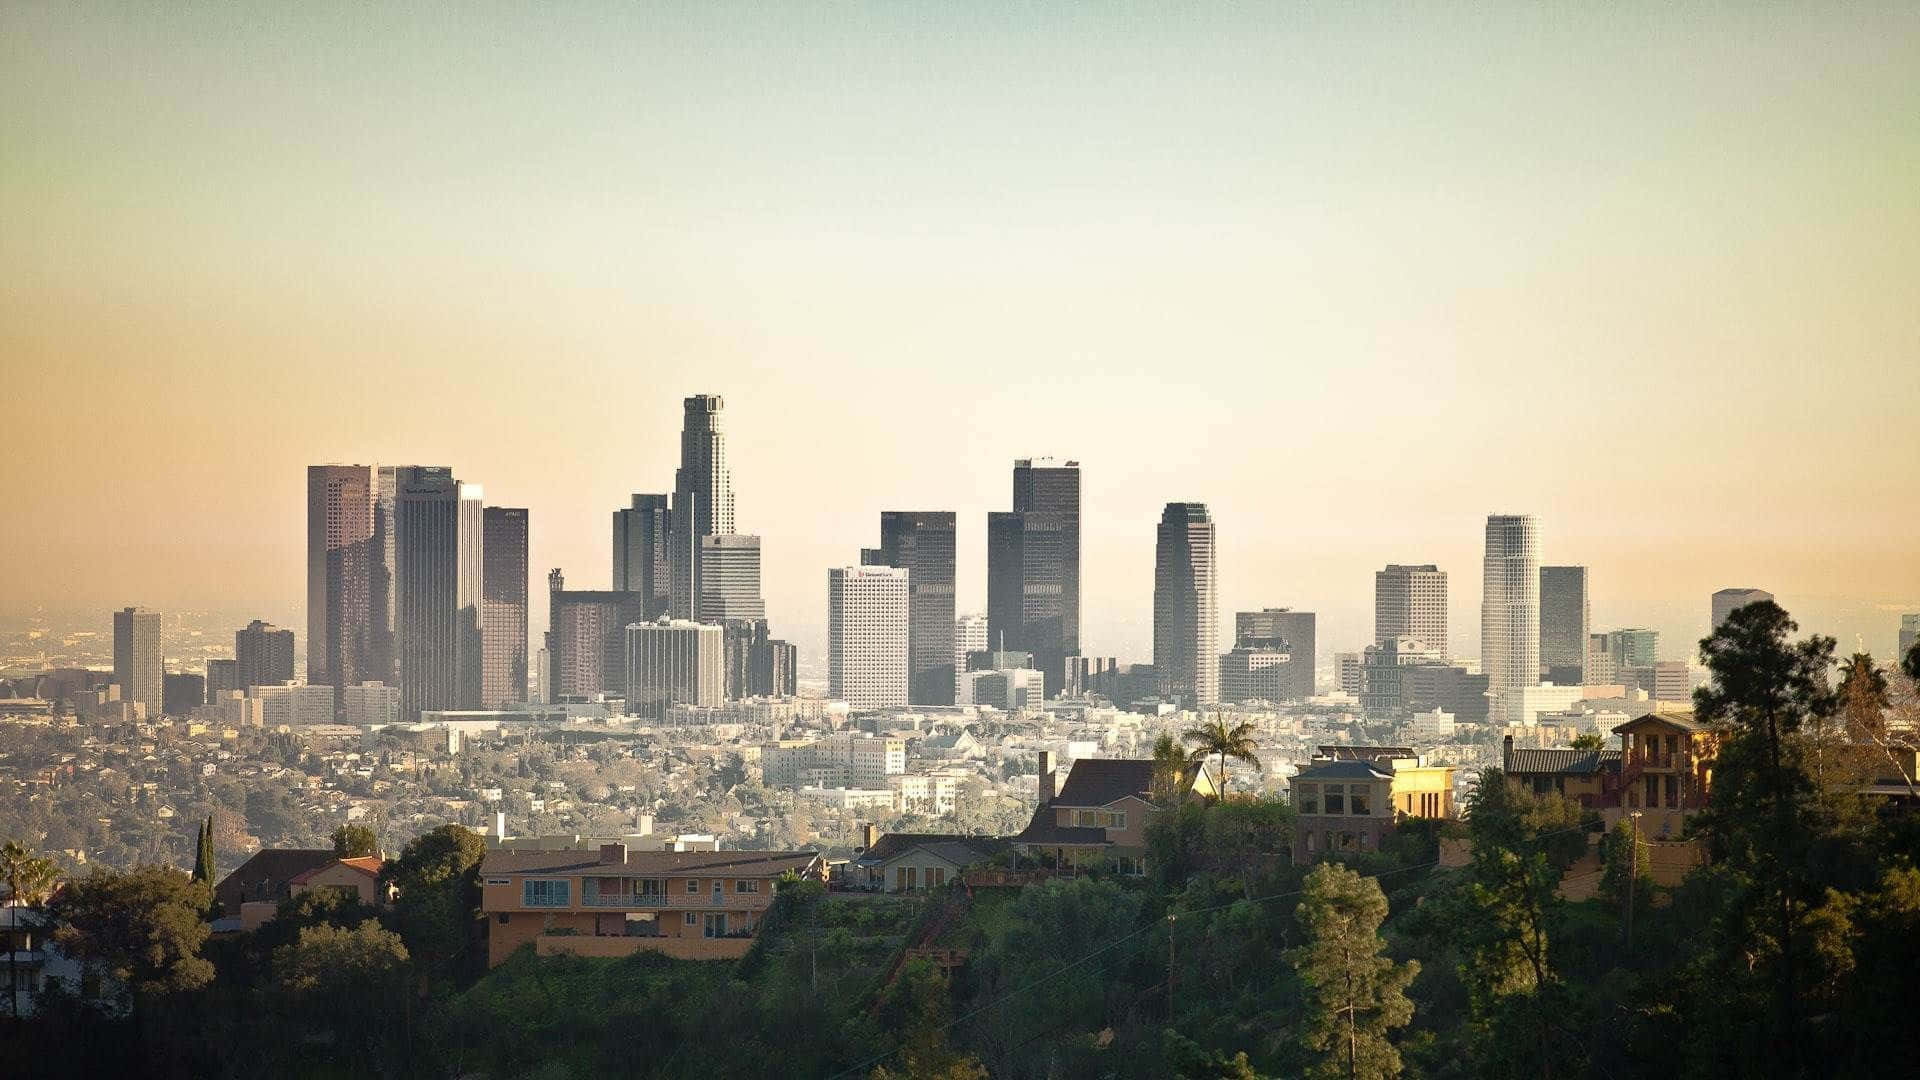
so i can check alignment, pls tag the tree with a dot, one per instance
(351, 841)
(203, 866)
(1169, 771)
(1354, 994)
(924, 1051)
(1589, 740)
(350, 985)
(144, 927)
(1216, 739)
(1764, 692)
(1864, 698)
(29, 877)
(436, 911)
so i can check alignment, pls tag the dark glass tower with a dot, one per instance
(1033, 567)
(922, 542)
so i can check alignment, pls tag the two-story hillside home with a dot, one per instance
(1351, 800)
(696, 905)
(1100, 812)
(1590, 776)
(1666, 769)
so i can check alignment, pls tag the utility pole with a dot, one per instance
(1633, 875)
(1169, 968)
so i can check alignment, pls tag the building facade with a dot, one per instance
(1566, 614)
(138, 659)
(1186, 619)
(729, 579)
(969, 636)
(262, 655)
(503, 612)
(1033, 566)
(867, 636)
(1285, 630)
(642, 535)
(1727, 601)
(1510, 612)
(674, 662)
(922, 543)
(587, 642)
(1411, 602)
(340, 563)
(702, 496)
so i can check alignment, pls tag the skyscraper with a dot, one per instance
(1565, 615)
(1510, 614)
(428, 594)
(922, 543)
(673, 662)
(867, 636)
(729, 579)
(1909, 634)
(702, 496)
(1726, 601)
(642, 537)
(969, 636)
(341, 643)
(1186, 620)
(1033, 567)
(587, 642)
(382, 580)
(1411, 602)
(503, 610)
(1266, 629)
(470, 645)
(137, 659)
(263, 655)
(1633, 648)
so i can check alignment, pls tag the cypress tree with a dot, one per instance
(203, 855)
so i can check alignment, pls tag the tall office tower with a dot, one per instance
(775, 670)
(263, 655)
(587, 642)
(223, 675)
(1565, 615)
(1033, 567)
(1411, 602)
(181, 693)
(381, 582)
(1186, 619)
(642, 536)
(674, 662)
(729, 577)
(702, 497)
(340, 623)
(867, 636)
(1909, 635)
(1261, 629)
(1633, 648)
(922, 543)
(136, 659)
(1383, 668)
(1727, 600)
(470, 646)
(503, 607)
(428, 593)
(1510, 614)
(969, 636)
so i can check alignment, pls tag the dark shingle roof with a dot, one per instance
(267, 874)
(1567, 762)
(1680, 718)
(1099, 781)
(648, 863)
(1343, 770)
(892, 844)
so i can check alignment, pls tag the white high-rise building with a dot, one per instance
(1411, 602)
(969, 636)
(1186, 619)
(1510, 614)
(867, 636)
(674, 662)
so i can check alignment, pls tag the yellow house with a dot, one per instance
(1666, 771)
(1351, 799)
(1101, 812)
(695, 905)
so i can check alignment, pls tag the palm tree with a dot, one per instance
(28, 876)
(1169, 770)
(1215, 738)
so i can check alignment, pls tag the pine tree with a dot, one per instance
(1354, 994)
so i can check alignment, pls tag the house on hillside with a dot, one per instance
(1100, 812)
(1352, 800)
(694, 905)
(1666, 771)
(907, 862)
(1590, 776)
(252, 893)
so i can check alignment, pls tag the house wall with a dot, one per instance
(511, 924)
(340, 876)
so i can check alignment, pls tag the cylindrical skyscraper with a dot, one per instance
(1186, 622)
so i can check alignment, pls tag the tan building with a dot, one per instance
(1590, 776)
(1350, 798)
(693, 905)
(1101, 812)
(1666, 769)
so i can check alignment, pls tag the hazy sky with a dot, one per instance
(1356, 276)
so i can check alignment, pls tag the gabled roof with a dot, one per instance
(1563, 762)
(365, 864)
(1675, 718)
(649, 863)
(892, 844)
(955, 852)
(1343, 770)
(1100, 781)
(267, 874)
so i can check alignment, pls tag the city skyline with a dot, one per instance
(1626, 245)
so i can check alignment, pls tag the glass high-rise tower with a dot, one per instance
(1566, 614)
(922, 543)
(702, 497)
(1186, 620)
(1033, 567)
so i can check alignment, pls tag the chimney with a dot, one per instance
(1047, 788)
(499, 826)
(1506, 751)
(613, 854)
(869, 836)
